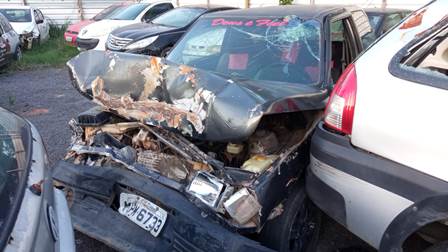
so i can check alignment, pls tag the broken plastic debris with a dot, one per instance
(242, 206)
(258, 163)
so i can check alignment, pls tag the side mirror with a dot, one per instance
(39, 21)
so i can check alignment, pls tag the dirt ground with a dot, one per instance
(48, 100)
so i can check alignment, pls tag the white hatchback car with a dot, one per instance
(379, 161)
(28, 22)
(94, 36)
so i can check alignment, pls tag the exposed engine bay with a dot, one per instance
(220, 175)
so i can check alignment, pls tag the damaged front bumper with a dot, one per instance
(94, 194)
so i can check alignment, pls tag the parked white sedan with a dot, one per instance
(28, 22)
(379, 160)
(94, 36)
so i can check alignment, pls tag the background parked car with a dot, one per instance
(11, 38)
(378, 162)
(381, 20)
(34, 216)
(94, 36)
(28, 22)
(73, 30)
(159, 35)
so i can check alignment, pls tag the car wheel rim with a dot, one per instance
(302, 230)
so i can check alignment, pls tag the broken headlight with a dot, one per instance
(206, 188)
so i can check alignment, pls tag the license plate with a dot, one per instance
(142, 212)
(68, 39)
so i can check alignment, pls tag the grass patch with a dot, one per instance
(51, 53)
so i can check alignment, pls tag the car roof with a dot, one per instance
(385, 10)
(300, 10)
(206, 6)
(15, 7)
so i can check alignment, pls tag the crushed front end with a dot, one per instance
(177, 158)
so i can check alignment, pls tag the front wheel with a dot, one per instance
(18, 54)
(297, 228)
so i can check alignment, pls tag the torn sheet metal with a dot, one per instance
(192, 101)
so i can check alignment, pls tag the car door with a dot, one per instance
(156, 10)
(42, 24)
(344, 45)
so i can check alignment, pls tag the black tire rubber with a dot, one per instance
(18, 53)
(277, 233)
(438, 247)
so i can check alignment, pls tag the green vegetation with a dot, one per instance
(54, 52)
(285, 2)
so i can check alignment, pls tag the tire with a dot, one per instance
(297, 228)
(438, 247)
(18, 54)
(165, 51)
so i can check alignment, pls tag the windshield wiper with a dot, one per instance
(232, 76)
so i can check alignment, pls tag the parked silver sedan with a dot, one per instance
(33, 215)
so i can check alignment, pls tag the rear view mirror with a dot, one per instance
(39, 21)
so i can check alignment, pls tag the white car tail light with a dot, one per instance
(341, 106)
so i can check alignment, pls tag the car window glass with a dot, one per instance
(130, 12)
(430, 58)
(107, 12)
(374, 20)
(41, 16)
(17, 15)
(178, 17)
(156, 11)
(263, 49)
(361, 22)
(37, 17)
(5, 24)
(13, 161)
(390, 21)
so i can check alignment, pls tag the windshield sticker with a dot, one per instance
(257, 22)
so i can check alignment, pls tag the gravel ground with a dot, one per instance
(47, 99)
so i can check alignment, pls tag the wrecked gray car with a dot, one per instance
(206, 150)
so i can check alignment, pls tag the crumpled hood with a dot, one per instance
(141, 30)
(195, 102)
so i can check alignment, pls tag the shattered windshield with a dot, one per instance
(285, 49)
